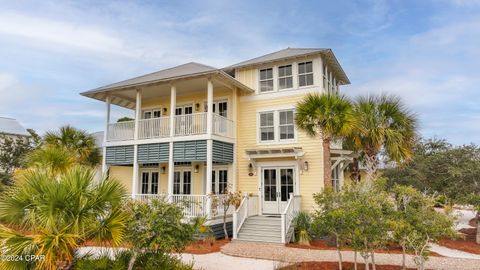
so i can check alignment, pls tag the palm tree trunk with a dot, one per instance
(131, 263)
(355, 171)
(372, 165)
(327, 163)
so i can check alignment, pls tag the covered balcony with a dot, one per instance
(183, 125)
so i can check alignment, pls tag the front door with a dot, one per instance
(277, 184)
(150, 181)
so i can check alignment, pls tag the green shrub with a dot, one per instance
(302, 223)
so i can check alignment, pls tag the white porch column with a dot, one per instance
(173, 106)
(209, 145)
(234, 163)
(138, 115)
(171, 164)
(330, 85)
(210, 106)
(105, 134)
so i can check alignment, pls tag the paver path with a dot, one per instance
(280, 252)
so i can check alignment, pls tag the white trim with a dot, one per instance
(150, 170)
(284, 93)
(181, 170)
(278, 77)
(276, 125)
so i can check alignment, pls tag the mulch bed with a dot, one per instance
(334, 266)
(323, 245)
(473, 222)
(205, 247)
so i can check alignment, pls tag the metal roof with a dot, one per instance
(296, 52)
(12, 127)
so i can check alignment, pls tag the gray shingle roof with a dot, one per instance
(12, 127)
(169, 73)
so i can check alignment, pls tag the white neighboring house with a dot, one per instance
(11, 128)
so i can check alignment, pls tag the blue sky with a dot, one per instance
(427, 52)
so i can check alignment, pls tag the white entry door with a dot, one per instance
(277, 184)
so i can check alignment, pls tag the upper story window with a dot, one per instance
(276, 126)
(286, 125)
(267, 127)
(305, 73)
(285, 78)
(154, 113)
(266, 80)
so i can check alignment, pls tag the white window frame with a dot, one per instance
(152, 111)
(286, 125)
(306, 73)
(259, 127)
(181, 190)
(216, 181)
(276, 127)
(150, 171)
(260, 80)
(292, 65)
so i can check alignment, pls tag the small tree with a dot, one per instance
(12, 152)
(156, 227)
(474, 200)
(333, 218)
(225, 201)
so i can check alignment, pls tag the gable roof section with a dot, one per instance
(11, 126)
(289, 53)
(182, 71)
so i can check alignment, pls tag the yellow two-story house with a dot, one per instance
(200, 130)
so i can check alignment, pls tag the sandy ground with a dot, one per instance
(219, 261)
(453, 253)
(464, 216)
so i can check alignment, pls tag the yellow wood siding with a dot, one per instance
(310, 181)
(122, 174)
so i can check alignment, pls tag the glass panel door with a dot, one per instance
(187, 182)
(154, 187)
(176, 183)
(145, 176)
(269, 179)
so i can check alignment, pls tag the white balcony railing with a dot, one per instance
(154, 128)
(148, 197)
(190, 124)
(193, 205)
(185, 125)
(121, 131)
(222, 126)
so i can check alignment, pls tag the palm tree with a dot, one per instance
(327, 115)
(78, 141)
(56, 159)
(54, 215)
(386, 126)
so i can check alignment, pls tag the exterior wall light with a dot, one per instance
(250, 169)
(305, 166)
(164, 111)
(163, 169)
(196, 168)
(197, 107)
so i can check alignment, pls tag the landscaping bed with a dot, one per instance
(334, 266)
(323, 245)
(205, 247)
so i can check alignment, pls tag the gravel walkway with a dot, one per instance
(219, 261)
(279, 252)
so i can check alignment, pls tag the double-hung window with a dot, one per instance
(305, 73)
(266, 80)
(276, 126)
(267, 127)
(286, 125)
(285, 78)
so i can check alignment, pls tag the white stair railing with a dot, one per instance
(247, 208)
(293, 207)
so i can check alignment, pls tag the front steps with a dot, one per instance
(261, 229)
